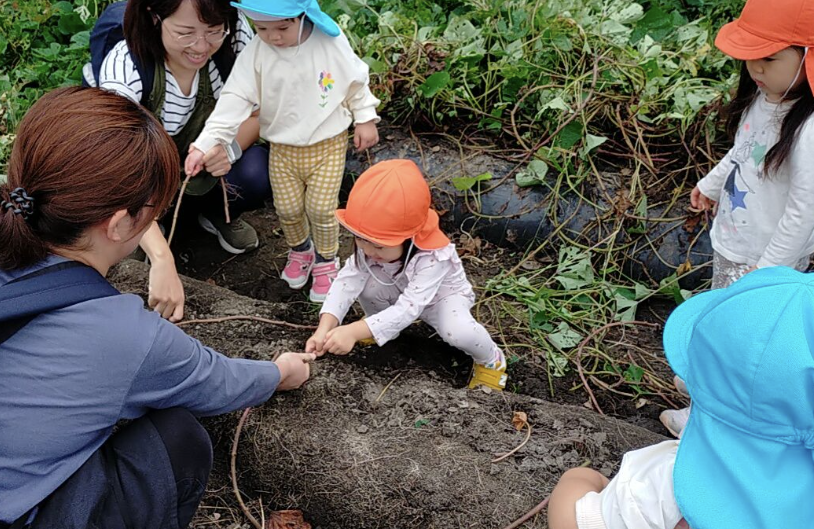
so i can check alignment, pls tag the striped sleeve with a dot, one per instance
(245, 34)
(119, 74)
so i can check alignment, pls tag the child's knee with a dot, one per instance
(572, 487)
(322, 214)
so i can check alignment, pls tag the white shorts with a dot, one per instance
(640, 496)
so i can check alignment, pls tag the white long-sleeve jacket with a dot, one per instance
(763, 220)
(306, 93)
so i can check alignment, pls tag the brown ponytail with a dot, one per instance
(82, 154)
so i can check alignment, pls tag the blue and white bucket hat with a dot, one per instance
(745, 460)
(269, 10)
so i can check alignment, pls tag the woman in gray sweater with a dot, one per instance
(88, 173)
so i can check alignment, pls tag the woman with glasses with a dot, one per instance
(183, 40)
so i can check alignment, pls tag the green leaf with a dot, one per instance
(375, 65)
(533, 174)
(71, 23)
(633, 374)
(574, 269)
(570, 135)
(625, 308)
(564, 337)
(422, 422)
(464, 183)
(591, 143)
(434, 83)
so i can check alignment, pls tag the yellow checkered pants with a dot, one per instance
(305, 182)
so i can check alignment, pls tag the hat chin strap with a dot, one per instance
(797, 75)
(395, 279)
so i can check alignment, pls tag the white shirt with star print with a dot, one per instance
(763, 220)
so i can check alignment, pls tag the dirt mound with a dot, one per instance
(388, 437)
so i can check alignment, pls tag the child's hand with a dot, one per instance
(294, 369)
(341, 340)
(316, 343)
(194, 162)
(366, 136)
(700, 201)
(216, 161)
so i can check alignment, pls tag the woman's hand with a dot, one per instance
(165, 292)
(216, 161)
(700, 201)
(366, 136)
(294, 369)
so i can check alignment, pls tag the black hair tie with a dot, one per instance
(20, 203)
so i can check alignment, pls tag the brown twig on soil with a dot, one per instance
(583, 343)
(177, 208)
(518, 447)
(225, 200)
(387, 387)
(233, 470)
(529, 515)
(250, 318)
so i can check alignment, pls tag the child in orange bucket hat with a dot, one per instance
(403, 268)
(763, 189)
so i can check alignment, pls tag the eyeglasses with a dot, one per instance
(188, 40)
(161, 214)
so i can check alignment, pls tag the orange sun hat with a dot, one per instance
(766, 27)
(390, 203)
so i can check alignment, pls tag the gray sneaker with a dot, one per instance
(675, 420)
(236, 237)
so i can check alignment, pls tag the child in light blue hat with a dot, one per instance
(309, 86)
(746, 457)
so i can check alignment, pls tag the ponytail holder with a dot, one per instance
(19, 203)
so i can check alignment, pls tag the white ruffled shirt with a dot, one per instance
(429, 277)
(763, 220)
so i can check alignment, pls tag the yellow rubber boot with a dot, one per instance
(491, 377)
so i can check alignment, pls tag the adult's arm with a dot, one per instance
(166, 293)
(179, 370)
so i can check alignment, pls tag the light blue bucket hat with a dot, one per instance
(747, 355)
(260, 9)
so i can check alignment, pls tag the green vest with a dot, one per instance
(203, 182)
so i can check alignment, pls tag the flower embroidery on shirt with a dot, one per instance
(326, 84)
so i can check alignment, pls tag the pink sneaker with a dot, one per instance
(298, 268)
(324, 275)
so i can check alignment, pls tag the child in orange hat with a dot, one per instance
(403, 268)
(763, 189)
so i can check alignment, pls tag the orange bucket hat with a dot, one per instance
(766, 27)
(390, 203)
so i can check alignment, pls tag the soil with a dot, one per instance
(390, 437)
(385, 437)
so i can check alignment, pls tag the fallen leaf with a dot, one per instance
(684, 268)
(471, 246)
(290, 519)
(692, 223)
(211, 281)
(519, 420)
(642, 403)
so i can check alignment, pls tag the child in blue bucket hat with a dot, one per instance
(746, 457)
(309, 86)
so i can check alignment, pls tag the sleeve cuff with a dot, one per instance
(205, 143)
(364, 115)
(713, 194)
